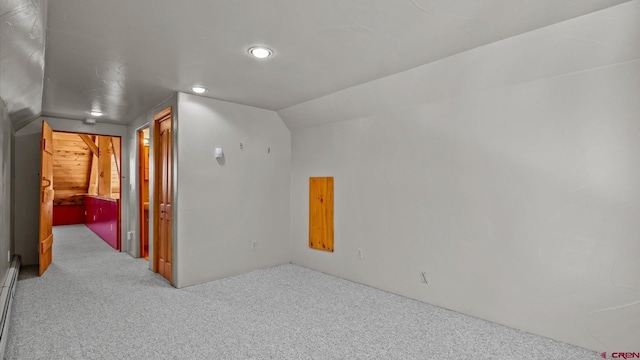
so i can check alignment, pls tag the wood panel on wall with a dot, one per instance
(76, 167)
(93, 176)
(71, 166)
(115, 167)
(321, 213)
(104, 166)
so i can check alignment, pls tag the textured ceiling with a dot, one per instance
(123, 56)
(22, 45)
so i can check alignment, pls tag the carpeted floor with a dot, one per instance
(95, 303)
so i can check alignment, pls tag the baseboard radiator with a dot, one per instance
(6, 301)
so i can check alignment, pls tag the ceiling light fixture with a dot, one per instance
(198, 89)
(96, 113)
(260, 52)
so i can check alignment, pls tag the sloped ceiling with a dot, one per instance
(72, 166)
(22, 49)
(123, 57)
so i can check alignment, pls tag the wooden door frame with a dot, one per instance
(46, 193)
(157, 187)
(119, 191)
(142, 225)
(119, 229)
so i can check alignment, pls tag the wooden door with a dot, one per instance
(46, 198)
(163, 249)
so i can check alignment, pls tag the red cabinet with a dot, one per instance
(102, 218)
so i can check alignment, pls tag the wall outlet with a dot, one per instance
(111, 227)
(254, 244)
(94, 218)
(360, 254)
(129, 235)
(9, 255)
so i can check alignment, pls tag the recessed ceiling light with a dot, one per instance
(96, 113)
(198, 89)
(260, 52)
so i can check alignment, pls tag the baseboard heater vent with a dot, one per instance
(6, 301)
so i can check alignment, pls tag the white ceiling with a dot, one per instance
(22, 47)
(124, 56)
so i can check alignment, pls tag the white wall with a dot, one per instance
(222, 206)
(510, 174)
(27, 169)
(146, 120)
(6, 138)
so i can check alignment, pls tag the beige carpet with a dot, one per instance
(95, 303)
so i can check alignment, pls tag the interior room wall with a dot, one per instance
(27, 167)
(224, 205)
(6, 135)
(132, 140)
(507, 174)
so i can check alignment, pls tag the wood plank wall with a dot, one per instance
(72, 160)
(71, 166)
(321, 213)
(115, 169)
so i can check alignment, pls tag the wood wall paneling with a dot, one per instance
(90, 142)
(93, 176)
(76, 167)
(104, 166)
(321, 213)
(115, 172)
(71, 161)
(115, 145)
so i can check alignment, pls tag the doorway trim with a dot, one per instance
(118, 155)
(144, 224)
(45, 237)
(167, 114)
(119, 159)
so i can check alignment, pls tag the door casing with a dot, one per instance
(45, 243)
(162, 194)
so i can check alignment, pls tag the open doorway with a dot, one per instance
(143, 176)
(87, 176)
(155, 184)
